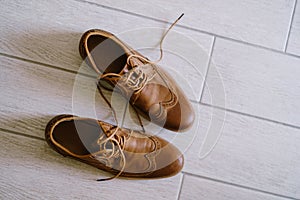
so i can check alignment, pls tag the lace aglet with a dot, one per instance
(143, 128)
(180, 16)
(105, 179)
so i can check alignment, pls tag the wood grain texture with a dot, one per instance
(259, 22)
(31, 170)
(256, 81)
(198, 188)
(294, 40)
(33, 94)
(250, 152)
(49, 32)
(40, 96)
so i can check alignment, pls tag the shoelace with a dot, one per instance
(120, 143)
(105, 153)
(173, 98)
(135, 79)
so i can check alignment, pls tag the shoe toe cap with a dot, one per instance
(180, 117)
(169, 161)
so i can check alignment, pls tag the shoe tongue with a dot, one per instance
(106, 127)
(133, 62)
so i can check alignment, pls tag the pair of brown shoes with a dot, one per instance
(150, 90)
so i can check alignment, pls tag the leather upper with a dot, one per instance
(149, 88)
(89, 141)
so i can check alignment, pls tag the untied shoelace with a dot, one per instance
(120, 143)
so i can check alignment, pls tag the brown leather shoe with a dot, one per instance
(148, 88)
(120, 151)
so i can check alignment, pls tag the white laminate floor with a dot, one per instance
(238, 62)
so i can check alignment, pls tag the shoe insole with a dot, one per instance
(78, 136)
(109, 56)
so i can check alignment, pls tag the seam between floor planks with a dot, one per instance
(189, 28)
(21, 134)
(45, 65)
(290, 26)
(181, 185)
(249, 115)
(238, 186)
(207, 69)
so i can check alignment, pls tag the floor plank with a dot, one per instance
(294, 40)
(237, 149)
(31, 170)
(250, 152)
(251, 21)
(53, 36)
(256, 81)
(33, 94)
(198, 188)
